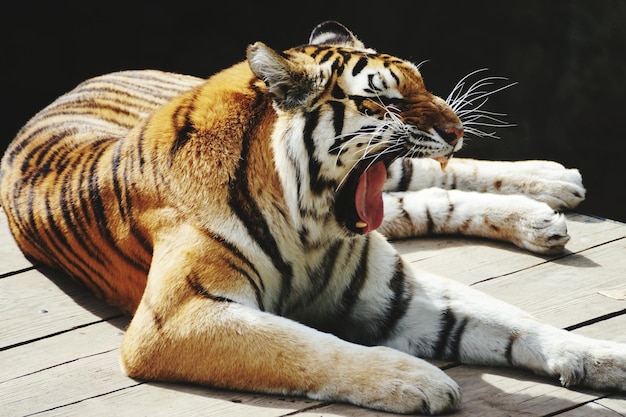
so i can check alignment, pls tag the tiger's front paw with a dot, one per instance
(595, 364)
(551, 183)
(542, 230)
(399, 383)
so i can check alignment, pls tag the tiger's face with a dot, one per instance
(359, 111)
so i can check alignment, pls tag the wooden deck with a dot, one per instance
(59, 346)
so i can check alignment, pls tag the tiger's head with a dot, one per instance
(345, 112)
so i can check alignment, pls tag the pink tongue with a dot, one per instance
(369, 196)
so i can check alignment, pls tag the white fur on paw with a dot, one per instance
(596, 364)
(551, 183)
(543, 230)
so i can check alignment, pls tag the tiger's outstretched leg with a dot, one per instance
(449, 320)
(429, 316)
(546, 181)
(196, 324)
(508, 201)
(527, 223)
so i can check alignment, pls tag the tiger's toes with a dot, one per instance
(429, 396)
(543, 231)
(406, 385)
(598, 365)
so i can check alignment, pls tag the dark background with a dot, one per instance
(567, 56)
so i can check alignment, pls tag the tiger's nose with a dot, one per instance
(451, 134)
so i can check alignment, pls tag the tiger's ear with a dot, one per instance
(335, 34)
(287, 81)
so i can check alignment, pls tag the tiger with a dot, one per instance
(246, 222)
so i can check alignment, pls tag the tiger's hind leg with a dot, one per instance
(527, 223)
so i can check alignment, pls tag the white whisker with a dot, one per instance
(468, 101)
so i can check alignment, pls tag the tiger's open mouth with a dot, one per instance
(359, 204)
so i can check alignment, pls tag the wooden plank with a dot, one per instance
(588, 231)
(183, 400)
(490, 259)
(345, 410)
(63, 348)
(610, 329)
(568, 291)
(11, 257)
(61, 385)
(99, 382)
(33, 306)
(592, 409)
(616, 403)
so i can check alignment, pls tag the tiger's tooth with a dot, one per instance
(361, 225)
(443, 161)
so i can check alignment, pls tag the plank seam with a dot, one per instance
(25, 342)
(85, 399)
(19, 271)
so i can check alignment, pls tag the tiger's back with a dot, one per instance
(68, 164)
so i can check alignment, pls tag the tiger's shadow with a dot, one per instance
(486, 391)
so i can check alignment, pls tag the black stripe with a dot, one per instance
(58, 243)
(337, 92)
(312, 119)
(448, 320)
(454, 342)
(50, 240)
(117, 188)
(338, 109)
(359, 277)
(430, 223)
(508, 354)
(128, 192)
(26, 223)
(246, 209)
(406, 175)
(98, 209)
(184, 131)
(258, 288)
(338, 322)
(319, 278)
(235, 251)
(317, 184)
(449, 339)
(70, 211)
(253, 284)
(36, 156)
(358, 67)
(394, 75)
(326, 56)
(141, 139)
(17, 148)
(399, 303)
(195, 285)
